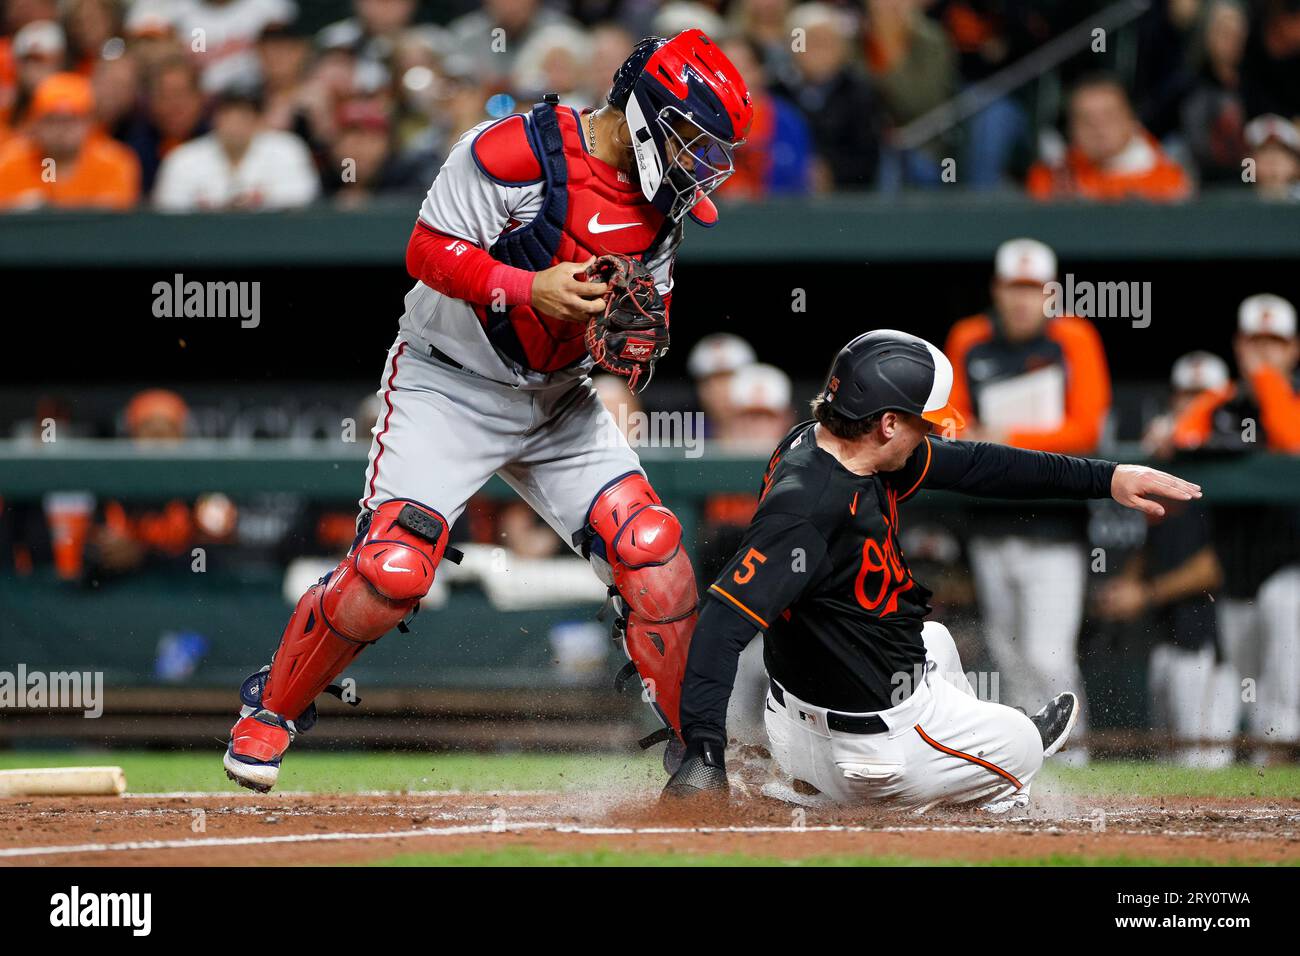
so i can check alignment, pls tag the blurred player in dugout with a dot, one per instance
(1169, 588)
(1030, 380)
(1258, 544)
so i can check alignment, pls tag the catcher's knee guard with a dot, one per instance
(377, 587)
(640, 542)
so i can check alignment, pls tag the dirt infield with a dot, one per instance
(217, 830)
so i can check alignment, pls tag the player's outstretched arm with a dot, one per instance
(989, 470)
(1134, 486)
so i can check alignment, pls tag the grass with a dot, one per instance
(1133, 779)
(351, 771)
(531, 856)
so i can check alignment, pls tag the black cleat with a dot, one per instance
(703, 769)
(1056, 720)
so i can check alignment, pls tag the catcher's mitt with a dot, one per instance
(632, 333)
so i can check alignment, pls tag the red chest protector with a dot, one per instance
(588, 208)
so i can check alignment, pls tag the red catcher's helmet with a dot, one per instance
(687, 108)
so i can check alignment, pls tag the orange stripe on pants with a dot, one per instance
(965, 756)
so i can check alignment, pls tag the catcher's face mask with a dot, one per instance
(687, 108)
(678, 162)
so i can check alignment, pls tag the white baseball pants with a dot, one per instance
(1261, 640)
(1195, 699)
(1031, 596)
(443, 432)
(944, 745)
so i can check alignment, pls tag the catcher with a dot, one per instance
(545, 246)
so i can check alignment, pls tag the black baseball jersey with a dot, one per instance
(1184, 532)
(821, 571)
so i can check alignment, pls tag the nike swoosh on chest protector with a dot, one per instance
(594, 225)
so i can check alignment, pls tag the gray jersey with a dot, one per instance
(465, 203)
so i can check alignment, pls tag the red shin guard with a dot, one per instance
(377, 586)
(642, 543)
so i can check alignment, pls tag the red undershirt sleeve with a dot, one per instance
(462, 270)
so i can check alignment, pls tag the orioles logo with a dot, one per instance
(881, 577)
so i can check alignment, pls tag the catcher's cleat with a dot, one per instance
(1056, 720)
(257, 744)
(703, 770)
(253, 754)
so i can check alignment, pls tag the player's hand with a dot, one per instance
(703, 770)
(560, 291)
(1134, 486)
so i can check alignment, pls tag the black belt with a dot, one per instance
(844, 723)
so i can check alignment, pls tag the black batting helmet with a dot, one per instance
(886, 370)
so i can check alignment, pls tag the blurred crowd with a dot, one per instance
(250, 104)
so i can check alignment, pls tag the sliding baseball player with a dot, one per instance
(867, 700)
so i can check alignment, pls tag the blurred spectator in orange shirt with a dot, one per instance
(63, 161)
(1194, 375)
(157, 415)
(1110, 155)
